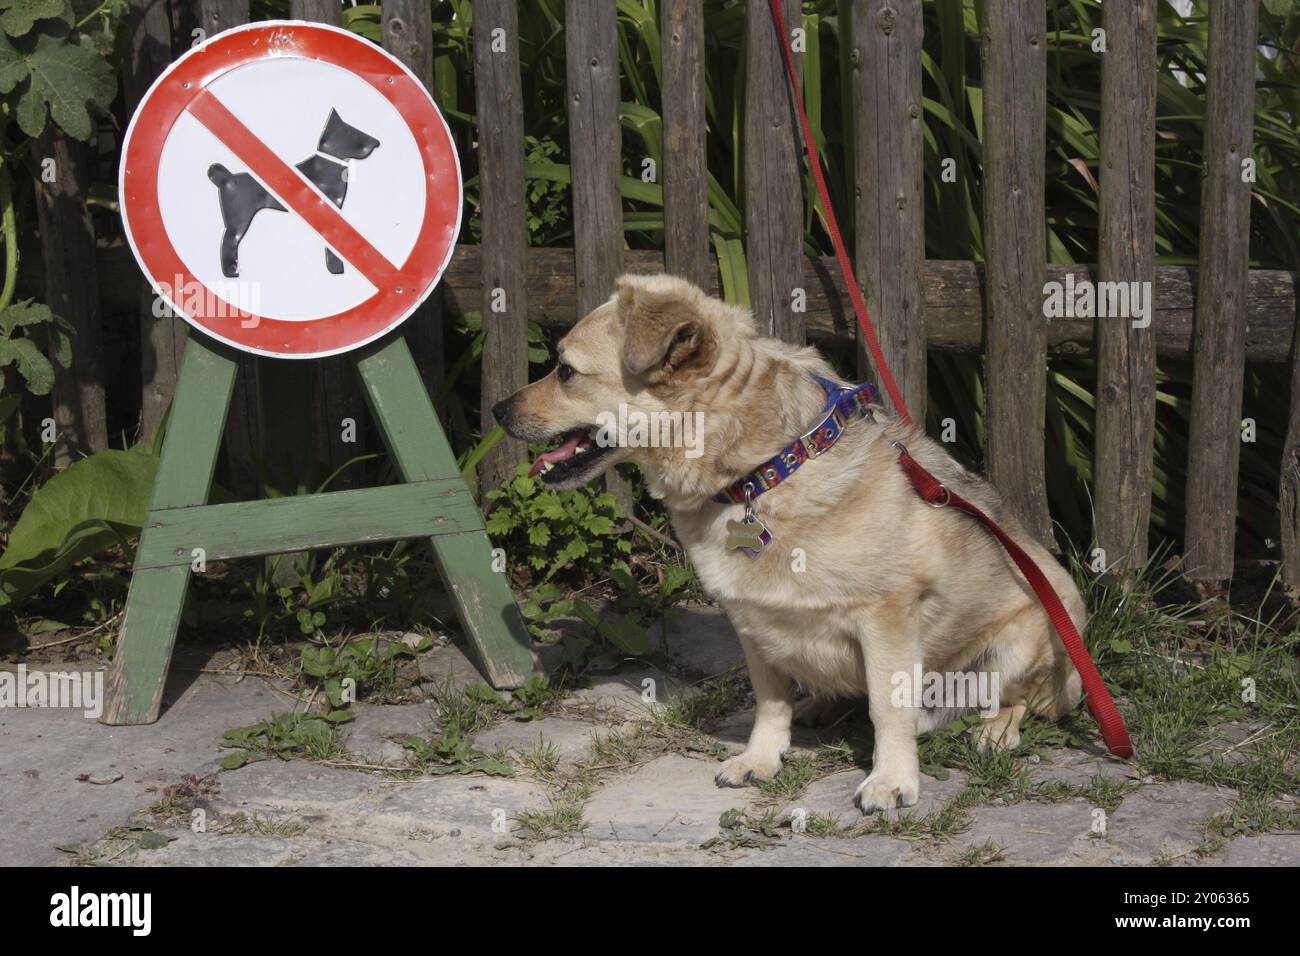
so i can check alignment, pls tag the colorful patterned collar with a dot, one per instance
(844, 403)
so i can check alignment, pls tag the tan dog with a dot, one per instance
(863, 585)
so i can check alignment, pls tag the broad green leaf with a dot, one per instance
(18, 16)
(500, 521)
(152, 840)
(31, 363)
(236, 760)
(626, 634)
(63, 78)
(23, 314)
(598, 524)
(94, 504)
(318, 661)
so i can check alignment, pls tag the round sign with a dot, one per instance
(290, 189)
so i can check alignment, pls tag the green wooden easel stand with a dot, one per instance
(433, 502)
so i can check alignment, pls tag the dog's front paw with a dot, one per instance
(749, 768)
(884, 791)
(1001, 731)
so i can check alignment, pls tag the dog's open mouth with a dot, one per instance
(576, 453)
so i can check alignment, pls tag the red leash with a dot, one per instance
(929, 487)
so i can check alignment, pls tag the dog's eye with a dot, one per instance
(566, 371)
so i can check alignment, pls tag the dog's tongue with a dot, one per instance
(565, 451)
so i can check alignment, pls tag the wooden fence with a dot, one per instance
(1218, 315)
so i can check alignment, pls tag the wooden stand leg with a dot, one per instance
(157, 595)
(484, 603)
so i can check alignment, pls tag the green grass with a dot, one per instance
(562, 818)
(1185, 671)
(983, 855)
(802, 769)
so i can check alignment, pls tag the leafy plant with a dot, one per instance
(604, 637)
(284, 736)
(27, 330)
(367, 665)
(317, 589)
(94, 504)
(739, 828)
(551, 531)
(450, 752)
(53, 65)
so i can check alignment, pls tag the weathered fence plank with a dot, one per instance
(499, 93)
(1126, 355)
(71, 291)
(242, 436)
(591, 53)
(773, 176)
(162, 338)
(319, 11)
(218, 15)
(408, 35)
(1289, 488)
(184, 19)
(685, 173)
(595, 157)
(339, 427)
(1015, 139)
(1219, 368)
(890, 218)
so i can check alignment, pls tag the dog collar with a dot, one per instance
(844, 403)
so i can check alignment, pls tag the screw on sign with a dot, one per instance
(290, 189)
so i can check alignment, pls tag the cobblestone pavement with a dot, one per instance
(608, 776)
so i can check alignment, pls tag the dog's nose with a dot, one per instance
(501, 411)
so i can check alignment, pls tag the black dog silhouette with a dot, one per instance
(242, 197)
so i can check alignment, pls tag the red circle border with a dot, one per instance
(142, 217)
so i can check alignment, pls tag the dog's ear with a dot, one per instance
(344, 141)
(664, 333)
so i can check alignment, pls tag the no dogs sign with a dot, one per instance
(290, 189)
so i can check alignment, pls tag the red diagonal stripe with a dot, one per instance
(291, 188)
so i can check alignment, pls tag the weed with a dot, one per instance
(360, 667)
(544, 762)
(982, 855)
(554, 531)
(285, 736)
(450, 752)
(742, 829)
(562, 818)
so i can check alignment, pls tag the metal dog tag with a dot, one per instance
(750, 536)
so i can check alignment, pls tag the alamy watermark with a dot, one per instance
(629, 428)
(973, 690)
(75, 908)
(196, 299)
(74, 690)
(1085, 299)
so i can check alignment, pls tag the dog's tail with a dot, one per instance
(218, 174)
